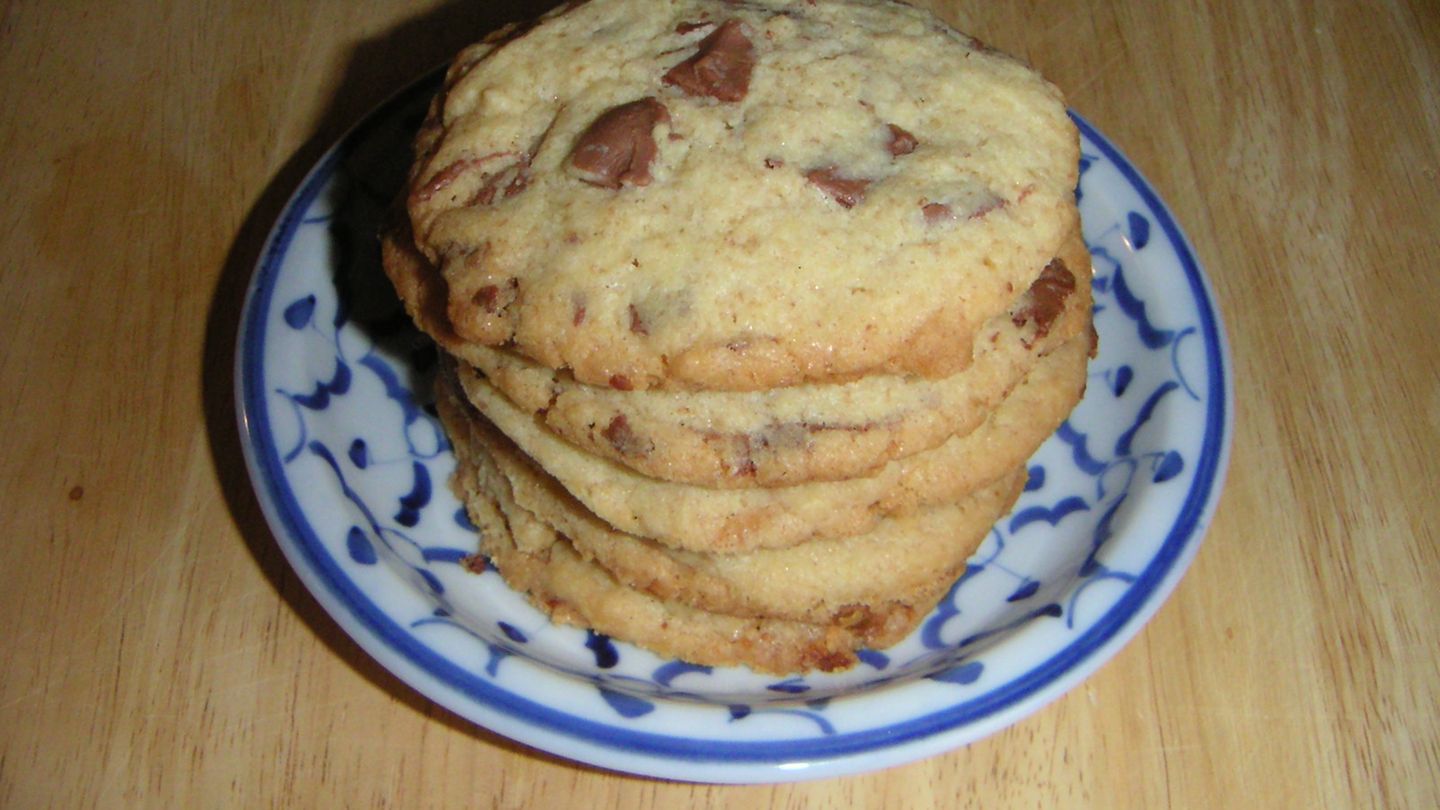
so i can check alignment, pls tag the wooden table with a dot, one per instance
(158, 650)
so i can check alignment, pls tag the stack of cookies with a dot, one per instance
(750, 313)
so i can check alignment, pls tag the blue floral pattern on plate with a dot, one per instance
(352, 470)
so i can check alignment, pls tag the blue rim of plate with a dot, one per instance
(711, 759)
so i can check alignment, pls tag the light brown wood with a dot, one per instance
(157, 650)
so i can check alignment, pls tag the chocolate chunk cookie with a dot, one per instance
(738, 196)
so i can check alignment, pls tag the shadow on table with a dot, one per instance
(374, 70)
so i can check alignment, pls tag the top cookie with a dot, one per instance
(739, 195)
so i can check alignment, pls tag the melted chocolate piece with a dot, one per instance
(495, 297)
(506, 183)
(901, 142)
(624, 440)
(935, 213)
(618, 148)
(993, 204)
(847, 191)
(1046, 298)
(637, 324)
(720, 69)
(442, 179)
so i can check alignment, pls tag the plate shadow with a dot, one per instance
(372, 71)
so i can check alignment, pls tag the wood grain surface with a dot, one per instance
(157, 651)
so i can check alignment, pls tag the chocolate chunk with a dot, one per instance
(847, 191)
(492, 298)
(520, 182)
(506, 183)
(994, 203)
(617, 149)
(508, 180)
(637, 325)
(621, 383)
(442, 179)
(936, 213)
(624, 440)
(901, 142)
(1046, 298)
(720, 69)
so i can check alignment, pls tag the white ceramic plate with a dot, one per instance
(351, 470)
